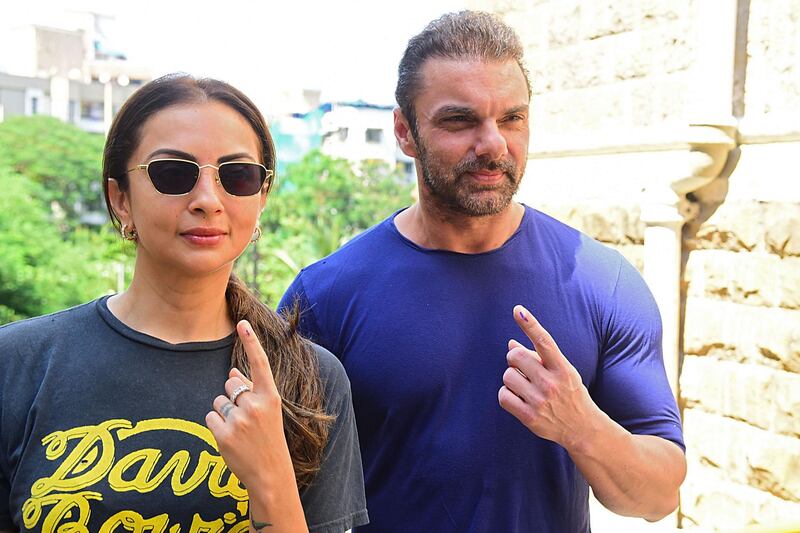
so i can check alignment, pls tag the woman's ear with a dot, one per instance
(265, 191)
(120, 202)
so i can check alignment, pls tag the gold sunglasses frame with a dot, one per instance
(267, 177)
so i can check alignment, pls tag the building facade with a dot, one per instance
(667, 129)
(68, 72)
(356, 131)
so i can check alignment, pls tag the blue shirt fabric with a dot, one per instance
(423, 337)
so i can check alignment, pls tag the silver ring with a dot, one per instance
(237, 391)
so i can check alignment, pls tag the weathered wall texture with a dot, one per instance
(610, 74)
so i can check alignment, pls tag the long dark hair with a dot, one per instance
(292, 358)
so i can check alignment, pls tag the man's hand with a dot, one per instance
(543, 390)
(633, 475)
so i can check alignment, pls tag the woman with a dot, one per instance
(105, 407)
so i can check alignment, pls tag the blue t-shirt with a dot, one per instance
(423, 337)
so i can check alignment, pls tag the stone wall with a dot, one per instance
(740, 383)
(608, 77)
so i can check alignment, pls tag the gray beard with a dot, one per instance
(447, 186)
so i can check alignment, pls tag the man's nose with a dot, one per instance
(491, 142)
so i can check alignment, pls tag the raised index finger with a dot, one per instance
(260, 370)
(543, 343)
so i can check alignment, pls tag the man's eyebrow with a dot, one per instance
(461, 110)
(453, 110)
(522, 108)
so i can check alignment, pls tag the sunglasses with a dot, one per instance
(178, 176)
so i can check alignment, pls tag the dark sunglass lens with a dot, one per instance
(173, 177)
(242, 179)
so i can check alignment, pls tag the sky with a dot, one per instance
(348, 49)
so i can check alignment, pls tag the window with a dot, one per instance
(34, 105)
(374, 135)
(92, 110)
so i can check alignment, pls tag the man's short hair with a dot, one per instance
(463, 35)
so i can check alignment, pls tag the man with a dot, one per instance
(463, 428)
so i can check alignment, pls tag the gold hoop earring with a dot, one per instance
(131, 235)
(256, 234)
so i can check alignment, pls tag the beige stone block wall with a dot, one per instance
(603, 64)
(773, 70)
(740, 382)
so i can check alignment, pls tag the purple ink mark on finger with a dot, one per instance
(522, 316)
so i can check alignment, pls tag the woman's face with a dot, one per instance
(204, 231)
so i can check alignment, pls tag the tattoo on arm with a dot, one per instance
(226, 409)
(259, 526)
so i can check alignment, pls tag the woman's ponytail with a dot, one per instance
(296, 373)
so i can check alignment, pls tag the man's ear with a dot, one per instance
(120, 202)
(402, 132)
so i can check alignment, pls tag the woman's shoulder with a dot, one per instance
(29, 330)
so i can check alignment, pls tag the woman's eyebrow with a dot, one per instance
(172, 151)
(233, 157)
(186, 155)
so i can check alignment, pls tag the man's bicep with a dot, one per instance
(631, 384)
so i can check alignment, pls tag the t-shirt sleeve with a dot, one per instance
(6, 348)
(632, 386)
(335, 500)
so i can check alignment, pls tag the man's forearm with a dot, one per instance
(632, 475)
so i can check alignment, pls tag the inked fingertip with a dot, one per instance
(244, 328)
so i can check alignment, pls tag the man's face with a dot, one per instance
(472, 134)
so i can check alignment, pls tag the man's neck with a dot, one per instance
(177, 310)
(439, 229)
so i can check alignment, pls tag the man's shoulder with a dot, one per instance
(364, 247)
(570, 240)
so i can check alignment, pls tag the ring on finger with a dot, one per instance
(226, 409)
(237, 391)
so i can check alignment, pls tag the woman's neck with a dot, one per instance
(173, 308)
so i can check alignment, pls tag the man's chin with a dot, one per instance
(485, 204)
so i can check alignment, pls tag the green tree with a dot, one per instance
(62, 158)
(319, 204)
(40, 271)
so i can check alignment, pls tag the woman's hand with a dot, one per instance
(249, 433)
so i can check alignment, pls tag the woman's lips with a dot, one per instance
(203, 236)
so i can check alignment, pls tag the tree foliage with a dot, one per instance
(41, 270)
(65, 160)
(320, 204)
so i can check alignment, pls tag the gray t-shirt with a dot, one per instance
(104, 427)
